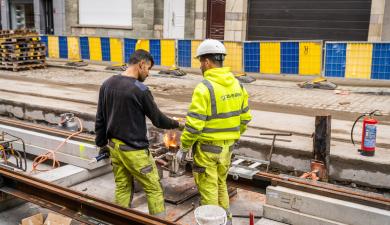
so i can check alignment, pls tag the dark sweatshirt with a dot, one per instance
(123, 104)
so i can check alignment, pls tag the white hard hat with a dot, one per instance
(210, 46)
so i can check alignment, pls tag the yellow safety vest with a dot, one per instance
(218, 111)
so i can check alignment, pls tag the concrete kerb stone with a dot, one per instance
(294, 218)
(325, 207)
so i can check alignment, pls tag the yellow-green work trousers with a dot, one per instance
(211, 165)
(138, 164)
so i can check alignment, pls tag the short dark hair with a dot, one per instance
(217, 59)
(140, 55)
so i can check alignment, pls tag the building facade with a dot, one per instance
(231, 20)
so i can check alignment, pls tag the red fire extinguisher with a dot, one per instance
(368, 141)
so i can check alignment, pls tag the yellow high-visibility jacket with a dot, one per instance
(218, 111)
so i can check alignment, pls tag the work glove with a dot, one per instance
(181, 122)
(181, 157)
(104, 149)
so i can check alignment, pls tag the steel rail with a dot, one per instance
(79, 206)
(261, 179)
(46, 130)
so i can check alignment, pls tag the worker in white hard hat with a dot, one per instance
(216, 118)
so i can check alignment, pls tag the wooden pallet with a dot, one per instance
(17, 32)
(22, 45)
(23, 62)
(23, 49)
(22, 54)
(20, 58)
(17, 40)
(23, 67)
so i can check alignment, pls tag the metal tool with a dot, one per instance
(100, 157)
(245, 167)
(8, 152)
(185, 213)
(271, 151)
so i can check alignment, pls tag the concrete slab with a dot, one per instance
(73, 152)
(324, 207)
(67, 175)
(70, 175)
(294, 218)
(264, 221)
(346, 164)
(304, 125)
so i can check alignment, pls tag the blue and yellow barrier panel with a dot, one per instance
(289, 58)
(380, 66)
(53, 47)
(69, 48)
(310, 58)
(335, 55)
(63, 47)
(163, 51)
(283, 57)
(116, 50)
(194, 46)
(252, 57)
(98, 49)
(73, 48)
(155, 50)
(44, 39)
(129, 47)
(233, 55)
(270, 57)
(358, 60)
(95, 49)
(186, 51)
(84, 48)
(168, 52)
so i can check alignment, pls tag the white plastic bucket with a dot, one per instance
(210, 215)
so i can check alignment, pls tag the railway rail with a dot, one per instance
(92, 210)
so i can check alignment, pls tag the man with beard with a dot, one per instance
(121, 130)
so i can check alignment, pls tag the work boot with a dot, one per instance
(229, 222)
(161, 215)
(229, 217)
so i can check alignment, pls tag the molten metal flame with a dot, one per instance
(170, 139)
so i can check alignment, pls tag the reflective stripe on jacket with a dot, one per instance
(218, 111)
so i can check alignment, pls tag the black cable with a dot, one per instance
(353, 126)
(363, 115)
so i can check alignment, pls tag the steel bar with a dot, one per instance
(73, 152)
(81, 207)
(327, 190)
(45, 130)
(185, 213)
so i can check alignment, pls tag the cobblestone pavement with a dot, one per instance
(279, 93)
(346, 98)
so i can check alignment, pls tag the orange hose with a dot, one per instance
(51, 153)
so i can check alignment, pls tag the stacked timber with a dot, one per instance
(21, 49)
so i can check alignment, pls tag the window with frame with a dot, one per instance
(105, 13)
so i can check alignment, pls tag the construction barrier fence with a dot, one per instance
(361, 60)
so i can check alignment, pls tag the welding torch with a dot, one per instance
(100, 157)
(181, 122)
